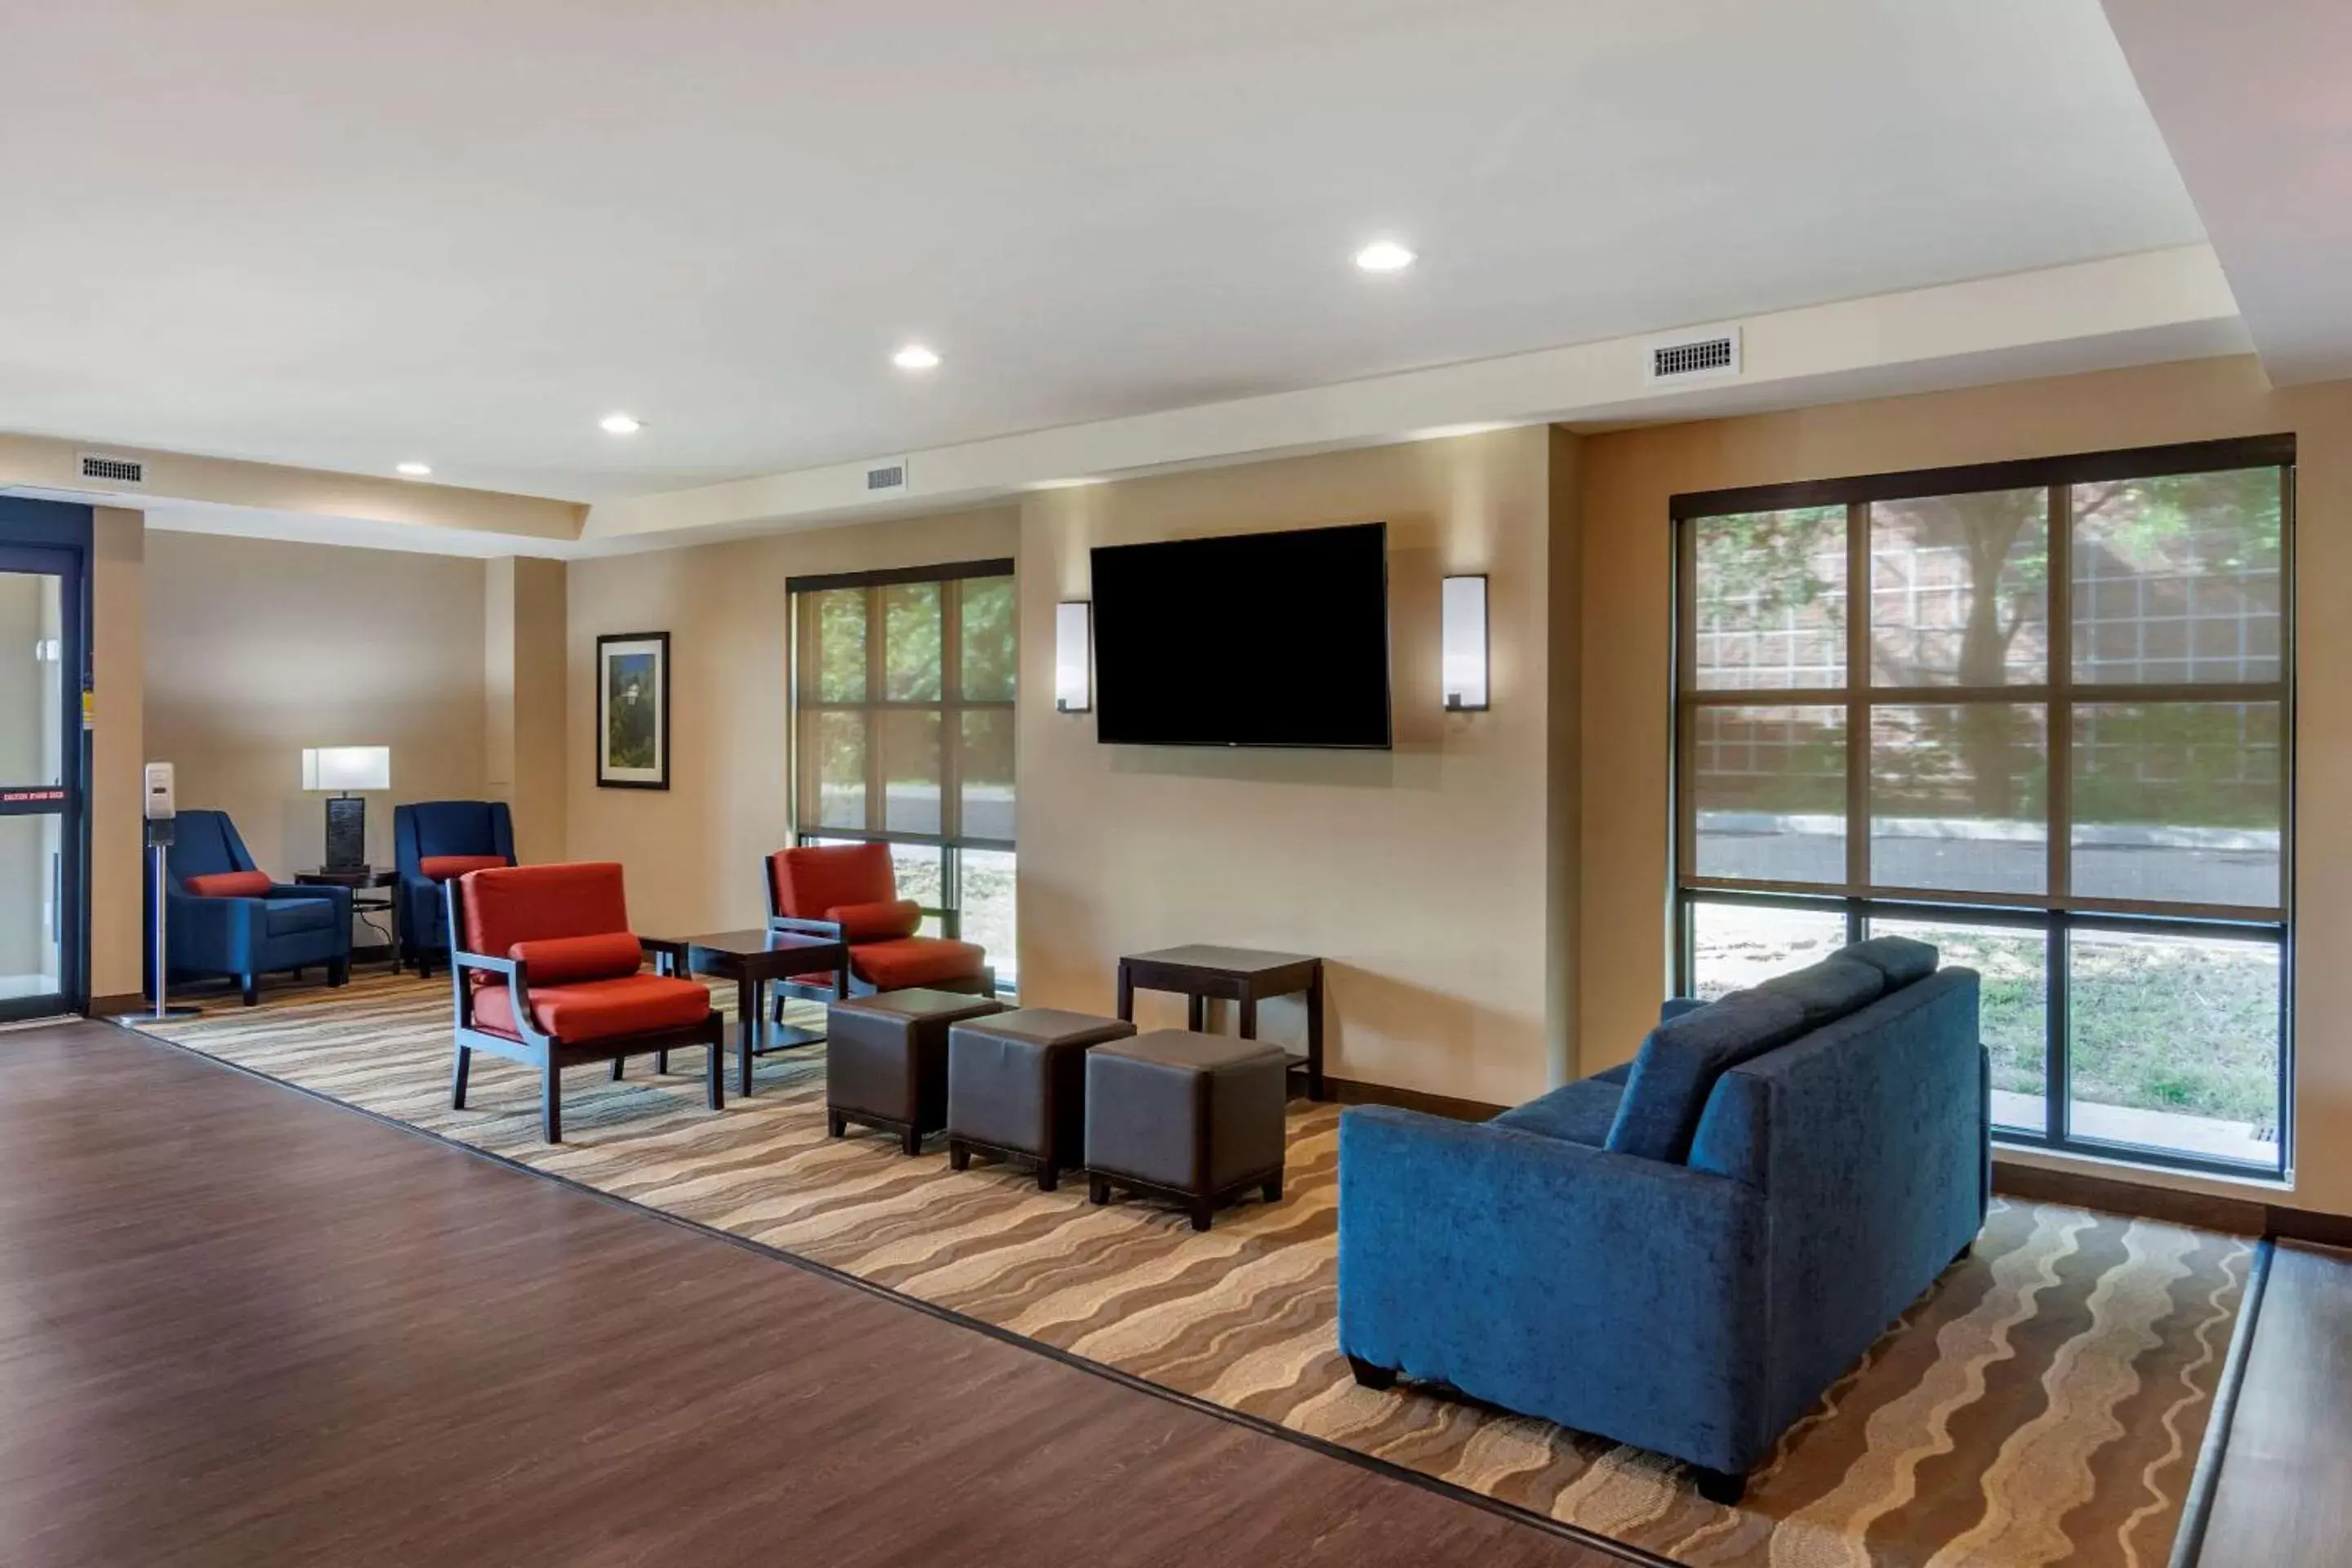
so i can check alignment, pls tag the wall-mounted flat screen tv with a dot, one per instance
(1254, 639)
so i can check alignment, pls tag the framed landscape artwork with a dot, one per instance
(633, 710)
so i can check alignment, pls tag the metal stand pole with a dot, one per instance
(157, 874)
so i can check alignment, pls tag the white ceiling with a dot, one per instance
(340, 235)
(2253, 102)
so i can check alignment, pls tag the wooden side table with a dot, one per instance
(367, 878)
(753, 959)
(1242, 975)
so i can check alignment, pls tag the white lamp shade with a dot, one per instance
(1073, 656)
(347, 768)
(1462, 643)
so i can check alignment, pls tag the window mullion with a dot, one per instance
(1857, 696)
(2058, 796)
(877, 654)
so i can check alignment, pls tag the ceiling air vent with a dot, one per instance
(887, 478)
(114, 470)
(1707, 355)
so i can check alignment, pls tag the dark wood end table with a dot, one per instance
(753, 959)
(366, 878)
(1242, 975)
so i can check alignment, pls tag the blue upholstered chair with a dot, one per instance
(1683, 1253)
(432, 841)
(223, 915)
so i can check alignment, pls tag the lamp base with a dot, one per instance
(346, 834)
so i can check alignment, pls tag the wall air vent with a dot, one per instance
(114, 470)
(1708, 356)
(887, 478)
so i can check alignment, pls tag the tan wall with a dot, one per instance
(1418, 874)
(1628, 478)
(257, 649)
(694, 850)
(118, 754)
(525, 729)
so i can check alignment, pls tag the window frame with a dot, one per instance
(2056, 910)
(950, 705)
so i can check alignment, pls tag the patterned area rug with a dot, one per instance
(2044, 1404)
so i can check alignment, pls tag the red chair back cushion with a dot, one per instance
(531, 904)
(568, 959)
(441, 868)
(229, 884)
(876, 922)
(814, 879)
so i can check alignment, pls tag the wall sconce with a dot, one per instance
(1462, 644)
(1073, 656)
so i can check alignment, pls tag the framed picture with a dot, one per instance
(633, 710)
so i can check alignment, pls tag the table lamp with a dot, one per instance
(344, 769)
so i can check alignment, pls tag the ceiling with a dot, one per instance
(341, 236)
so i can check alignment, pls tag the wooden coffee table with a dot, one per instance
(751, 958)
(1238, 974)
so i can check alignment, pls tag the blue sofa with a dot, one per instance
(441, 830)
(1683, 1253)
(279, 927)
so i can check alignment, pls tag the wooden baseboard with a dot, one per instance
(1348, 1092)
(2206, 1210)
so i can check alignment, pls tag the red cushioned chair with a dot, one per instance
(547, 971)
(849, 892)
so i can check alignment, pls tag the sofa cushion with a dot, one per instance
(915, 961)
(1579, 1112)
(527, 903)
(441, 868)
(876, 922)
(229, 884)
(1829, 990)
(1900, 959)
(566, 959)
(284, 917)
(598, 1009)
(1680, 1061)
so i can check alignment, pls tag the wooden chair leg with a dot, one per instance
(1204, 1213)
(619, 1065)
(251, 987)
(550, 1104)
(715, 1073)
(457, 1072)
(661, 1061)
(911, 1141)
(835, 1124)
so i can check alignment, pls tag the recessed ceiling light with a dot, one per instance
(915, 356)
(418, 471)
(621, 424)
(1384, 255)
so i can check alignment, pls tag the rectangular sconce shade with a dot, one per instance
(1462, 643)
(347, 768)
(1073, 656)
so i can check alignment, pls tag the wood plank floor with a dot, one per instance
(238, 1326)
(2285, 1496)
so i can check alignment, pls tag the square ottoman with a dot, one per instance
(885, 1060)
(1017, 1086)
(1196, 1118)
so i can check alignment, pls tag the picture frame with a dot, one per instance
(633, 710)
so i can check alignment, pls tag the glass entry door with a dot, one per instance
(41, 783)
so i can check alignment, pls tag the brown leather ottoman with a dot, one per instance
(885, 1060)
(1017, 1086)
(1196, 1118)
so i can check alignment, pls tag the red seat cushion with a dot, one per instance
(915, 961)
(564, 959)
(229, 884)
(807, 881)
(530, 903)
(876, 922)
(598, 1009)
(441, 868)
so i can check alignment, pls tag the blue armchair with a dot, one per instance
(432, 841)
(221, 915)
(1684, 1253)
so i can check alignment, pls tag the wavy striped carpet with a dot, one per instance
(2044, 1405)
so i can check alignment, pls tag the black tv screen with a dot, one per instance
(1255, 639)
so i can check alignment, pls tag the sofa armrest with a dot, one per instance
(1609, 1293)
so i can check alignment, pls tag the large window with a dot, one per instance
(903, 686)
(2039, 715)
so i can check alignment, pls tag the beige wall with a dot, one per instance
(525, 609)
(1420, 874)
(118, 754)
(257, 650)
(1628, 477)
(694, 851)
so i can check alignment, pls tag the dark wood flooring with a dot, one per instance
(2285, 1496)
(238, 1326)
